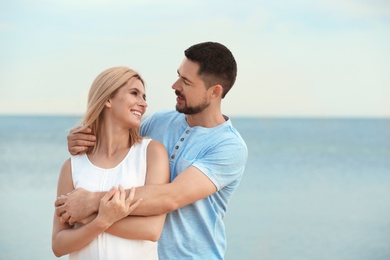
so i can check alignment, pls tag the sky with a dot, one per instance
(318, 58)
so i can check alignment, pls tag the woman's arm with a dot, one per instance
(113, 206)
(150, 227)
(64, 238)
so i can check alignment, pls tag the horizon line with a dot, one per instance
(232, 116)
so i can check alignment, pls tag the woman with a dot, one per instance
(121, 159)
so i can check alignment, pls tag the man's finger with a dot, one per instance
(60, 210)
(60, 201)
(86, 130)
(81, 129)
(64, 218)
(77, 149)
(71, 221)
(83, 137)
(81, 142)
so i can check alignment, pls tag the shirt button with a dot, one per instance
(176, 147)
(188, 131)
(182, 139)
(172, 156)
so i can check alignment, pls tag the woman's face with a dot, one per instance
(129, 104)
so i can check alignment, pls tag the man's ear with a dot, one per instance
(216, 91)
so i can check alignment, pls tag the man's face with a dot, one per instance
(190, 89)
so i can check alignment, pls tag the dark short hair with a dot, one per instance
(216, 64)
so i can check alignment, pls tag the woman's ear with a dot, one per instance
(108, 103)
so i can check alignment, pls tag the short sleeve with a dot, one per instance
(224, 163)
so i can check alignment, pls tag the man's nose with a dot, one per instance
(176, 84)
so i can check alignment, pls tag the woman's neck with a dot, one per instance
(114, 144)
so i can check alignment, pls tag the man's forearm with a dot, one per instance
(93, 201)
(156, 200)
(78, 205)
(189, 186)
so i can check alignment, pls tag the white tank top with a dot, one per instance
(131, 171)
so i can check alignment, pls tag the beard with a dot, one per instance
(191, 110)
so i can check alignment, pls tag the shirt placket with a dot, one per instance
(176, 149)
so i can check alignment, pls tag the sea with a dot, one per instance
(313, 188)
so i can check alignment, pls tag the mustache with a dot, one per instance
(179, 94)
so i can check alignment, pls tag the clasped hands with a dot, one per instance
(81, 205)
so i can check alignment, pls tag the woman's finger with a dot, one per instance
(130, 198)
(108, 195)
(135, 204)
(122, 195)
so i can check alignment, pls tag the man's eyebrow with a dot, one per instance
(186, 79)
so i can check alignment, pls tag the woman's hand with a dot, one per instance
(115, 206)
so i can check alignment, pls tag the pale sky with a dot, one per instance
(295, 58)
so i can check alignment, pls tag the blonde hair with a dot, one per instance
(104, 87)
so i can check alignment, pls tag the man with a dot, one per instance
(207, 159)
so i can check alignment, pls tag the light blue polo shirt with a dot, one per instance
(197, 231)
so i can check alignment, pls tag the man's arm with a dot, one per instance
(189, 186)
(133, 227)
(78, 204)
(147, 228)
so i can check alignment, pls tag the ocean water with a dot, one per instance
(312, 189)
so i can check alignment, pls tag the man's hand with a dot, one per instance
(80, 139)
(77, 205)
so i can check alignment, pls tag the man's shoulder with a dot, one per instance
(227, 131)
(163, 114)
(159, 121)
(227, 137)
